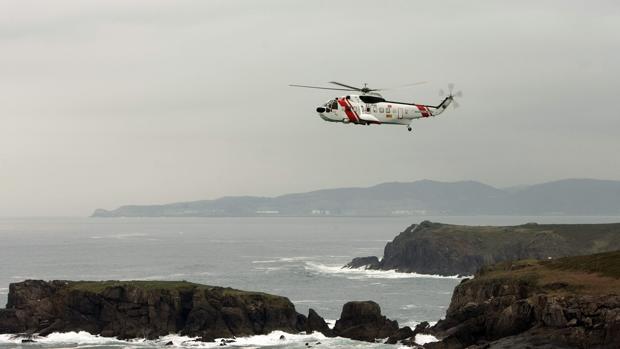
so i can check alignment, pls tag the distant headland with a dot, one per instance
(426, 197)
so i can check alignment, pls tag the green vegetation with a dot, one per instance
(605, 264)
(591, 274)
(100, 286)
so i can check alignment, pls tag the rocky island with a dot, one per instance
(151, 309)
(446, 249)
(571, 302)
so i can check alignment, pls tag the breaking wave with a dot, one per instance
(276, 339)
(360, 273)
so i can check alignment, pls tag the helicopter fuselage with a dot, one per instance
(374, 109)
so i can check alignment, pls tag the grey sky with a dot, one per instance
(104, 103)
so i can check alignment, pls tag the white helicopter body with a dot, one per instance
(371, 108)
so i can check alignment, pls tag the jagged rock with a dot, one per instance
(422, 327)
(511, 306)
(144, 309)
(553, 315)
(371, 262)
(318, 324)
(403, 333)
(363, 321)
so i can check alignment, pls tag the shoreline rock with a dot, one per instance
(364, 321)
(572, 302)
(144, 309)
(153, 309)
(448, 250)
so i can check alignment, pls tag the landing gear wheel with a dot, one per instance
(409, 128)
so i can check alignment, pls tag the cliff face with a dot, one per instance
(144, 309)
(444, 249)
(150, 309)
(536, 304)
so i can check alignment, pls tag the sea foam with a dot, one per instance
(276, 339)
(361, 273)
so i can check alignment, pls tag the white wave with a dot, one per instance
(422, 339)
(269, 269)
(359, 273)
(4, 290)
(119, 236)
(284, 259)
(413, 324)
(273, 339)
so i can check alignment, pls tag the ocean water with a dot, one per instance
(299, 258)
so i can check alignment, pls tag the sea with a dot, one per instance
(298, 257)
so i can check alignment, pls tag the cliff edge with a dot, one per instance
(446, 249)
(571, 302)
(144, 309)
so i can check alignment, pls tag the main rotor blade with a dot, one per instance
(400, 86)
(323, 88)
(343, 85)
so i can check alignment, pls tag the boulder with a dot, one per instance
(403, 333)
(363, 321)
(316, 323)
(371, 262)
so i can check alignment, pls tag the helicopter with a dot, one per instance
(368, 107)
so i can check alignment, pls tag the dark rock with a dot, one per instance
(371, 262)
(422, 327)
(445, 249)
(282, 338)
(363, 321)
(318, 324)
(499, 310)
(169, 343)
(28, 341)
(403, 333)
(150, 309)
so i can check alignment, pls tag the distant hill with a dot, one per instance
(425, 197)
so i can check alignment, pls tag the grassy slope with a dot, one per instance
(100, 286)
(591, 274)
(593, 237)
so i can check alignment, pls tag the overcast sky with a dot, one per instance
(105, 103)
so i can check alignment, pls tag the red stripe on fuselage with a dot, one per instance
(425, 112)
(347, 110)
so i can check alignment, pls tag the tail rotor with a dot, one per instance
(452, 95)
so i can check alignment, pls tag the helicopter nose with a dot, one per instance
(320, 110)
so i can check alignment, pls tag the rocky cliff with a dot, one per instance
(150, 309)
(144, 309)
(572, 302)
(445, 249)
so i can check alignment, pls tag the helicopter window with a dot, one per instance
(334, 104)
(381, 110)
(371, 99)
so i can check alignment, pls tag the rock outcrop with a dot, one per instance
(316, 323)
(144, 309)
(572, 302)
(445, 249)
(363, 321)
(151, 309)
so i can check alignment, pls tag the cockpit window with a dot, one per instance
(334, 104)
